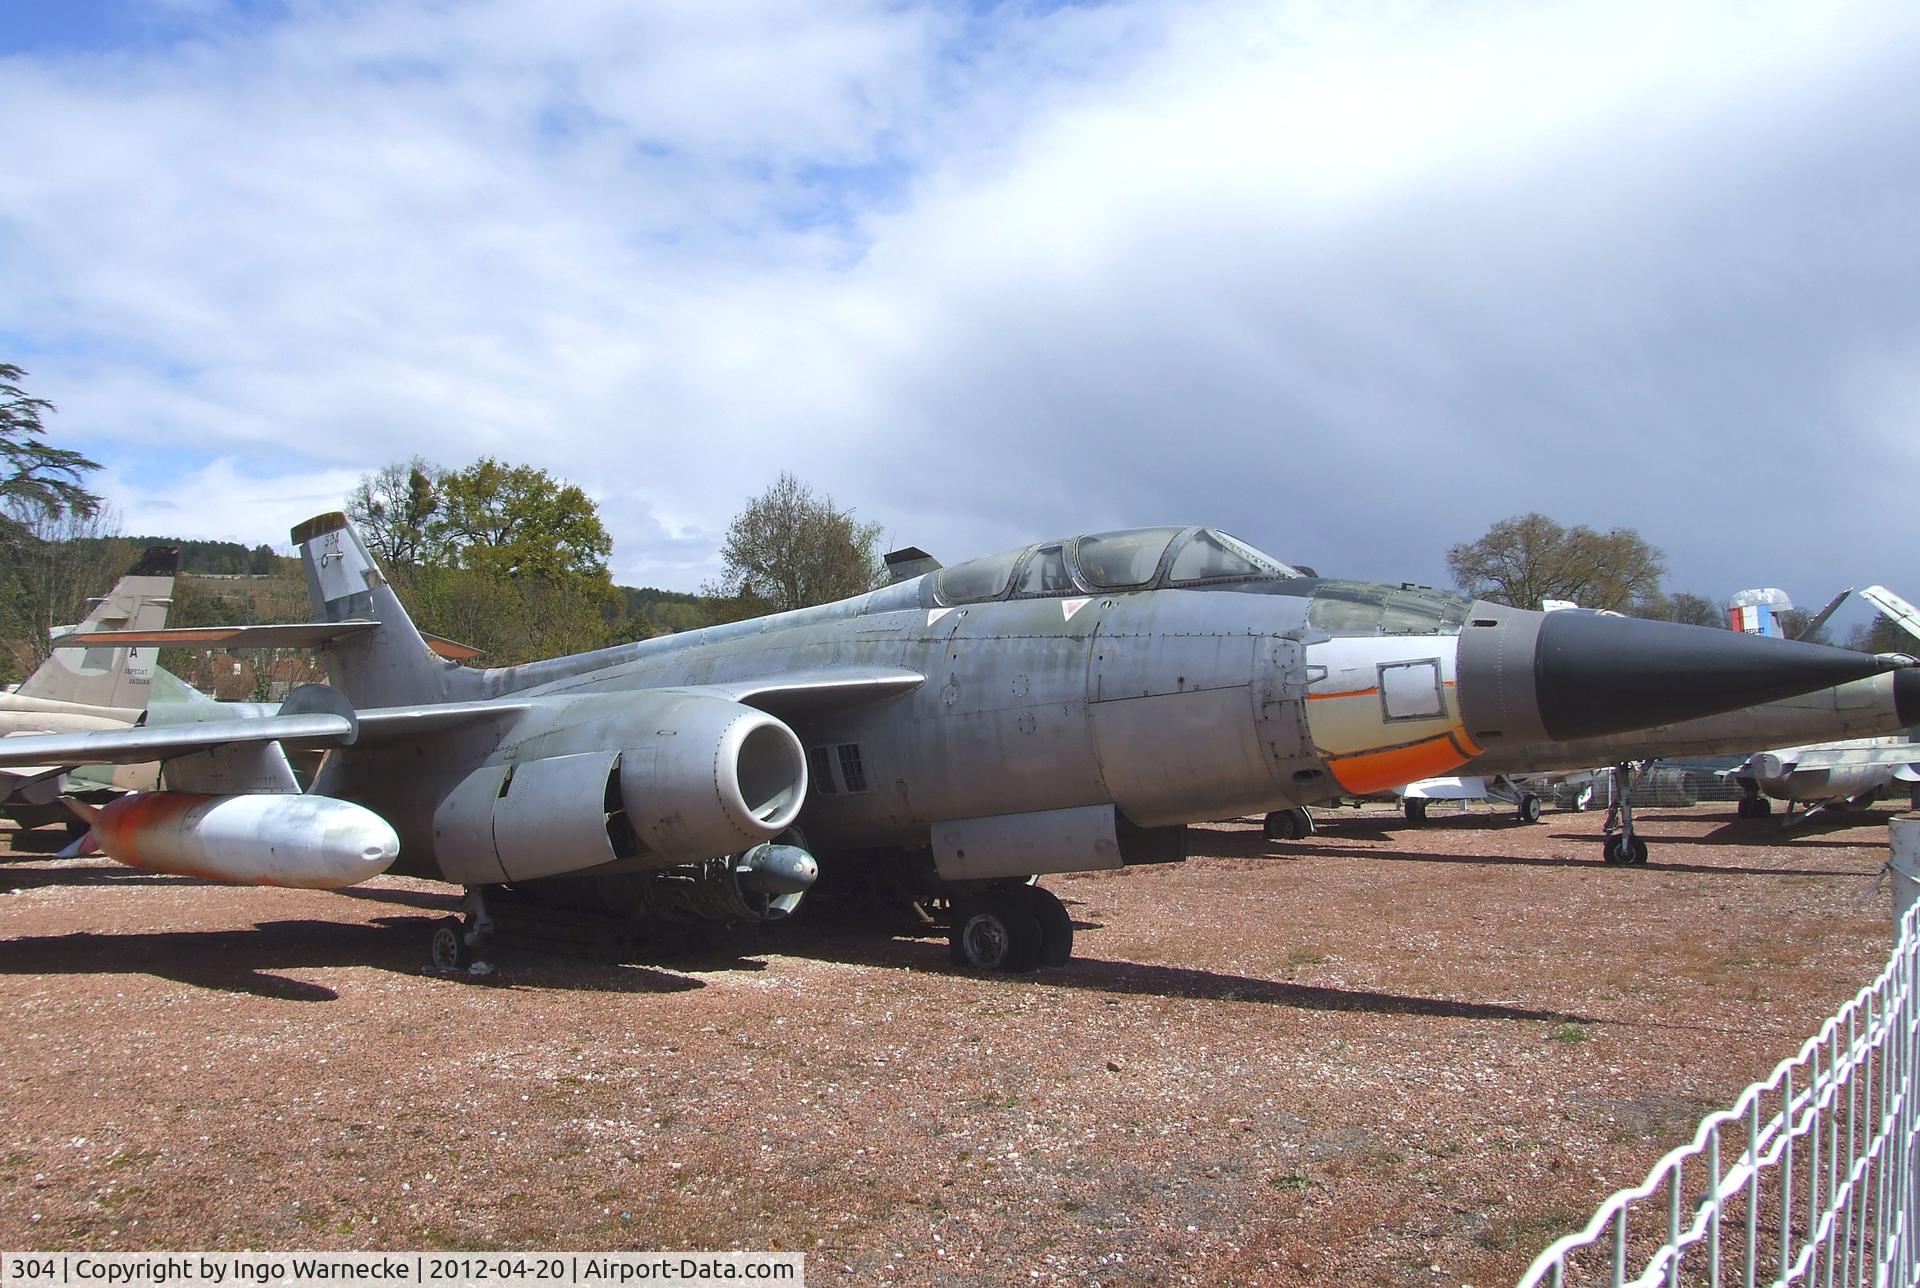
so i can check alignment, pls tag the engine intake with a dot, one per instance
(697, 777)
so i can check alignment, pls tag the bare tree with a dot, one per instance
(1528, 558)
(1684, 607)
(393, 508)
(60, 560)
(791, 549)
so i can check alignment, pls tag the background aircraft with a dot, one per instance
(1061, 707)
(105, 686)
(1833, 775)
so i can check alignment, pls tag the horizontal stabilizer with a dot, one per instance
(279, 635)
(165, 742)
(283, 635)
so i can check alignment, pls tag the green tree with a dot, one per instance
(1528, 558)
(505, 558)
(517, 521)
(791, 549)
(40, 477)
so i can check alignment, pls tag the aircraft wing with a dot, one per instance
(816, 689)
(794, 691)
(390, 724)
(1837, 757)
(1902, 613)
(164, 742)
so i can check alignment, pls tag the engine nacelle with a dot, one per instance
(696, 777)
(312, 842)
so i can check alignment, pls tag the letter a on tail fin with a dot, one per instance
(106, 676)
(390, 666)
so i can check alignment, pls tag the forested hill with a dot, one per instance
(228, 558)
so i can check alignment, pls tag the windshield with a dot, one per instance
(1114, 560)
(979, 579)
(1046, 574)
(1211, 554)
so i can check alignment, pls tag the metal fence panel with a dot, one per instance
(1809, 1178)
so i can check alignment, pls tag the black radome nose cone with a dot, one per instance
(1598, 675)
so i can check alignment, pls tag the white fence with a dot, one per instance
(1812, 1177)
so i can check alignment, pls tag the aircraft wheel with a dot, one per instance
(1755, 807)
(1056, 926)
(1529, 808)
(1624, 851)
(1415, 810)
(992, 933)
(449, 950)
(1289, 824)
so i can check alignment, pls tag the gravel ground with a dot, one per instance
(1380, 1055)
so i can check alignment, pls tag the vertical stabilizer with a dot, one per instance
(390, 667)
(1757, 612)
(113, 677)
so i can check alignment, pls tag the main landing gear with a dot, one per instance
(1752, 803)
(1015, 928)
(1289, 824)
(1620, 847)
(454, 948)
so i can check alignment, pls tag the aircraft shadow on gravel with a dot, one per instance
(1525, 861)
(1138, 978)
(250, 961)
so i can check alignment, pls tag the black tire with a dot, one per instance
(448, 950)
(995, 933)
(1621, 852)
(1056, 925)
(1529, 808)
(1289, 824)
(1415, 810)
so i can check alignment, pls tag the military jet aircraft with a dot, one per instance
(1060, 707)
(106, 687)
(1823, 776)
(1833, 775)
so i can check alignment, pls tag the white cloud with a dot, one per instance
(223, 501)
(1355, 281)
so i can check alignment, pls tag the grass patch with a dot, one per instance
(1570, 1033)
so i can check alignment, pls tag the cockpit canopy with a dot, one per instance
(1133, 559)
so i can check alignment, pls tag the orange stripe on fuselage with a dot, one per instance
(1375, 771)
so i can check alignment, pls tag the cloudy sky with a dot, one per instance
(1353, 281)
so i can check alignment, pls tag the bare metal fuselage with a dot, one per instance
(1170, 705)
